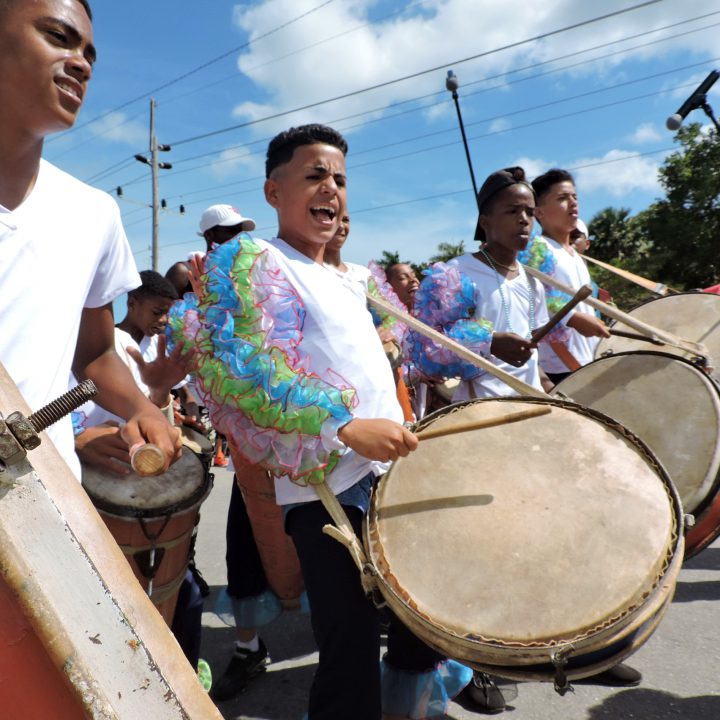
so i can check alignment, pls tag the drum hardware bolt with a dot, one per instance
(688, 521)
(559, 660)
(19, 433)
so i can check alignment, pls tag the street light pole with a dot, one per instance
(452, 84)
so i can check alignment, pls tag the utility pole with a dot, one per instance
(154, 167)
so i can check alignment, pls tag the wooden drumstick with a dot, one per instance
(147, 459)
(584, 292)
(516, 384)
(483, 423)
(635, 336)
(625, 318)
(651, 285)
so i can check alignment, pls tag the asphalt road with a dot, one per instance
(680, 662)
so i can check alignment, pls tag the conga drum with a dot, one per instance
(152, 519)
(546, 549)
(675, 409)
(198, 443)
(693, 316)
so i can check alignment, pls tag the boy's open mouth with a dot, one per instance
(323, 212)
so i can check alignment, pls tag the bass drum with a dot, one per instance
(675, 409)
(693, 316)
(546, 549)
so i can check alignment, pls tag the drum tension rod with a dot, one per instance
(18, 433)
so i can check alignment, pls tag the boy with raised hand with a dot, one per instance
(557, 212)
(293, 372)
(52, 225)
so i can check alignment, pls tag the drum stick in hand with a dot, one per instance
(584, 292)
(432, 432)
(147, 459)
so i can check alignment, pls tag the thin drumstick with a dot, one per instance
(635, 336)
(584, 292)
(513, 417)
(625, 318)
(651, 285)
(518, 385)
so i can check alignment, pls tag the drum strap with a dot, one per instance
(343, 532)
(565, 356)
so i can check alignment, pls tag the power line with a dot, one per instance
(387, 83)
(437, 196)
(485, 120)
(465, 85)
(197, 69)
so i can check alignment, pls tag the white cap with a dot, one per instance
(582, 227)
(226, 216)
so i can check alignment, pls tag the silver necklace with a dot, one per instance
(503, 301)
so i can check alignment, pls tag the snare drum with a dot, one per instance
(675, 409)
(543, 549)
(152, 519)
(693, 316)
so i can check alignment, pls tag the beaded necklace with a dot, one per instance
(503, 302)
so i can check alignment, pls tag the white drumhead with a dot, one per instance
(142, 496)
(668, 403)
(690, 316)
(530, 533)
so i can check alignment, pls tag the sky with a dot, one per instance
(542, 84)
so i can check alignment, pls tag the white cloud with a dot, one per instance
(300, 65)
(534, 166)
(228, 162)
(630, 173)
(499, 125)
(117, 127)
(645, 133)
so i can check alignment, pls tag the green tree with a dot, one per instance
(684, 228)
(389, 258)
(447, 251)
(675, 240)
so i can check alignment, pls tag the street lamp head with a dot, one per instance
(142, 159)
(451, 82)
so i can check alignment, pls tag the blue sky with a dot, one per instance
(593, 99)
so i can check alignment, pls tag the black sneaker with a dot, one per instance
(484, 694)
(243, 666)
(619, 676)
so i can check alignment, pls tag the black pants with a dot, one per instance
(345, 623)
(555, 378)
(187, 620)
(245, 574)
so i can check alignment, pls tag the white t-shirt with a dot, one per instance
(92, 413)
(570, 269)
(338, 338)
(356, 277)
(496, 305)
(63, 249)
